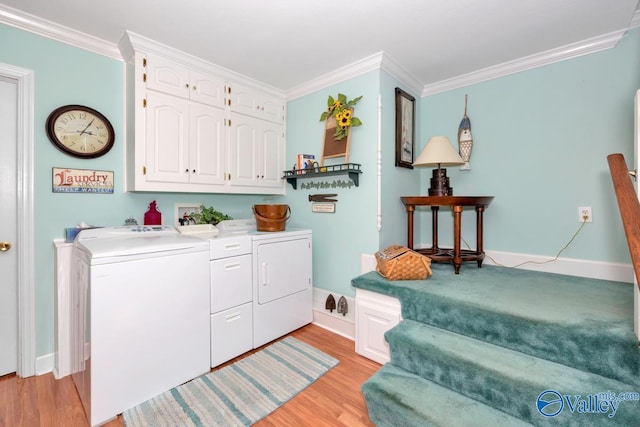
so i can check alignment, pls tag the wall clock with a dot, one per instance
(80, 131)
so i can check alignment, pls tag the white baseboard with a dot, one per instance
(573, 267)
(367, 263)
(334, 321)
(617, 272)
(44, 364)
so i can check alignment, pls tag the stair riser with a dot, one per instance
(612, 355)
(512, 395)
(397, 398)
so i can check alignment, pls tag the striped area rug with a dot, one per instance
(239, 394)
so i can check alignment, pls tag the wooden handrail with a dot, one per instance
(629, 207)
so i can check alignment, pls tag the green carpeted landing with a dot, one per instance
(502, 336)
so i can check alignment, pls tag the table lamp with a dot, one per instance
(439, 152)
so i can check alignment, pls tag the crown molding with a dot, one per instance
(370, 63)
(397, 71)
(635, 20)
(380, 60)
(377, 61)
(552, 56)
(24, 21)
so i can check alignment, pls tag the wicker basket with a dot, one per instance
(401, 263)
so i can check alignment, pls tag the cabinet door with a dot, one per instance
(243, 145)
(244, 100)
(167, 76)
(167, 144)
(271, 155)
(271, 108)
(207, 141)
(257, 152)
(374, 317)
(257, 104)
(207, 89)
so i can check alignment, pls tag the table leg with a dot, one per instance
(457, 234)
(434, 228)
(410, 210)
(479, 228)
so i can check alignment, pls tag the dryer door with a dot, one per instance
(283, 268)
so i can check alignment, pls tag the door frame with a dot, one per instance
(636, 167)
(24, 183)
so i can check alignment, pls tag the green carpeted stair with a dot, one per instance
(499, 338)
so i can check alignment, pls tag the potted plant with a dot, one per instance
(208, 216)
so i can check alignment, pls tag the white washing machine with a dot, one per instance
(142, 318)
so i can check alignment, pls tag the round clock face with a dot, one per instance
(80, 131)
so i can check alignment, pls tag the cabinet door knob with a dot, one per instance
(187, 170)
(186, 85)
(194, 88)
(5, 246)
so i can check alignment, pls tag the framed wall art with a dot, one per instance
(405, 128)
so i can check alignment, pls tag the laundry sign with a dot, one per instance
(82, 181)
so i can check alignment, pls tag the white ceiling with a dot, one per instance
(286, 43)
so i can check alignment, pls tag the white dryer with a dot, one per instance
(143, 315)
(283, 287)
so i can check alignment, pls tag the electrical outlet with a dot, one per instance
(584, 214)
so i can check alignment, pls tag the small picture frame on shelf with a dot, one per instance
(405, 128)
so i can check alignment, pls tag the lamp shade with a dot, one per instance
(438, 152)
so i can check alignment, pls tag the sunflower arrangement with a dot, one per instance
(342, 110)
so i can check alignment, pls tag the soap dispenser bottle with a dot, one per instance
(152, 216)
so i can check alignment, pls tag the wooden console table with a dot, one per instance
(457, 255)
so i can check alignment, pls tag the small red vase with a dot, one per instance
(152, 216)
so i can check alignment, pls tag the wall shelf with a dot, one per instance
(352, 169)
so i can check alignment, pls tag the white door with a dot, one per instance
(8, 226)
(636, 149)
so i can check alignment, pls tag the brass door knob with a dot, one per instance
(5, 246)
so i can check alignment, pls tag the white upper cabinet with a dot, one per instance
(185, 142)
(172, 78)
(257, 152)
(190, 130)
(207, 89)
(257, 104)
(165, 76)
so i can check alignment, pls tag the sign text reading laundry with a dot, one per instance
(82, 181)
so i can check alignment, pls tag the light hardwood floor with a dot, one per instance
(333, 400)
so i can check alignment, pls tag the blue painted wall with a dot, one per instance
(339, 238)
(541, 139)
(67, 75)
